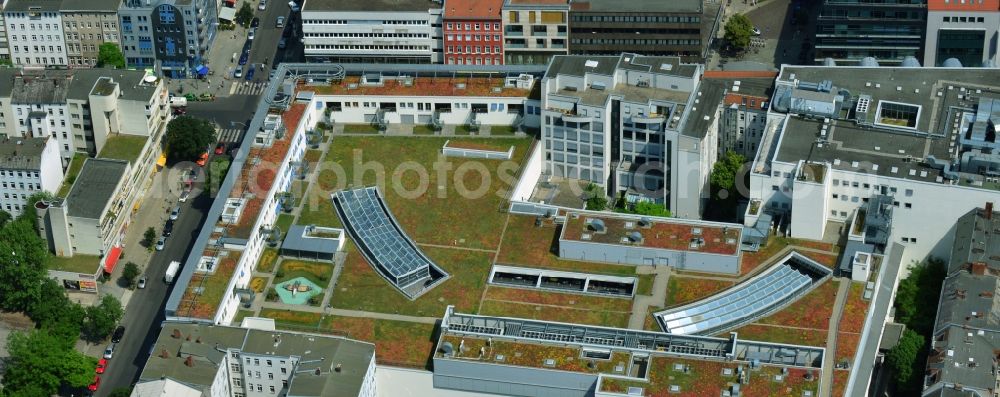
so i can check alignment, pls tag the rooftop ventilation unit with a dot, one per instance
(590, 64)
(645, 221)
(666, 66)
(598, 86)
(597, 225)
(635, 237)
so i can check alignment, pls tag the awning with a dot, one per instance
(227, 14)
(112, 259)
(202, 70)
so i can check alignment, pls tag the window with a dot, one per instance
(908, 205)
(272, 389)
(268, 363)
(774, 187)
(284, 370)
(909, 192)
(260, 388)
(270, 375)
(835, 195)
(258, 374)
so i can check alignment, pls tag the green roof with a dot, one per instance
(71, 173)
(86, 264)
(123, 147)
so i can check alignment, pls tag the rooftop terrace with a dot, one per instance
(653, 233)
(465, 86)
(205, 292)
(123, 147)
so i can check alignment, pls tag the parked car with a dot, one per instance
(176, 213)
(180, 111)
(262, 5)
(251, 33)
(294, 6)
(102, 364)
(280, 22)
(220, 148)
(255, 22)
(282, 43)
(244, 57)
(161, 243)
(96, 384)
(109, 351)
(239, 71)
(204, 156)
(168, 228)
(250, 71)
(118, 334)
(142, 282)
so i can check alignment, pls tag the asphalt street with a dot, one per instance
(145, 310)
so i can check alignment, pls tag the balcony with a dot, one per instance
(652, 118)
(515, 45)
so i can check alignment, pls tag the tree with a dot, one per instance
(39, 364)
(917, 296)
(102, 318)
(244, 15)
(725, 171)
(110, 55)
(22, 255)
(188, 138)
(121, 392)
(149, 237)
(5, 217)
(130, 273)
(32, 199)
(651, 209)
(595, 199)
(738, 31)
(904, 359)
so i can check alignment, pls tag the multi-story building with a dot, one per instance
(62, 103)
(4, 45)
(919, 135)
(35, 32)
(27, 166)
(966, 331)
(744, 110)
(87, 24)
(222, 361)
(681, 27)
(848, 31)
(534, 31)
(967, 31)
(472, 33)
(407, 31)
(172, 36)
(641, 127)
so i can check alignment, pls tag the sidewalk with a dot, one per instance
(220, 63)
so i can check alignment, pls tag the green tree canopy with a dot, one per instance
(102, 318)
(188, 138)
(40, 363)
(130, 273)
(651, 209)
(110, 55)
(904, 360)
(738, 31)
(917, 296)
(244, 15)
(5, 217)
(121, 392)
(726, 170)
(22, 255)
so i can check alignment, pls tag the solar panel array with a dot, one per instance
(735, 306)
(381, 237)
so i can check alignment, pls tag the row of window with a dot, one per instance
(36, 48)
(474, 61)
(367, 47)
(963, 19)
(91, 36)
(39, 37)
(635, 19)
(30, 187)
(361, 22)
(19, 174)
(40, 61)
(367, 35)
(472, 49)
(638, 41)
(470, 37)
(472, 26)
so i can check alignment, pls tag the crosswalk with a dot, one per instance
(229, 135)
(240, 87)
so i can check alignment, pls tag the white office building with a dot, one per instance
(372, 31)
(27, 166)
(35, 32)
(924, 136)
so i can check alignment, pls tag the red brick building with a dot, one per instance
(473, 32)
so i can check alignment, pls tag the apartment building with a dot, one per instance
(87, 24)
(848, 31)
(82, 108)
(744, 109)
(406, 31)
(35, 32)
(844, 138)
(171, 36)
(966, 31)
(641, 127)
(222, 361)
(4, 41)
(535, 30)
(966, 333)
(472, 33)
(27, 166)
(681, 28)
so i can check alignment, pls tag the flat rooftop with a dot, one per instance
(22, 153)
(95, 186)
(369, 6)
(123, 147)
(425, 86)
(206, 290)
(977, 240)
(178, 341)
(542, 4)
(679, 6)
(656, 233)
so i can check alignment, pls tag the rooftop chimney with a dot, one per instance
(189, 361)
(979, 268)
(337, 368)
(176, 334)
(989, 210)
(164, 353)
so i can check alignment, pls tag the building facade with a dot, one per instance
(631, 124)
(223, 361)
(87, 24)
(534, 31)
(472, 32)
(172, 36)
(680, 28)
(344, 31)
(848, 31)
(35, 32)
(27, 166)
(966, 31)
